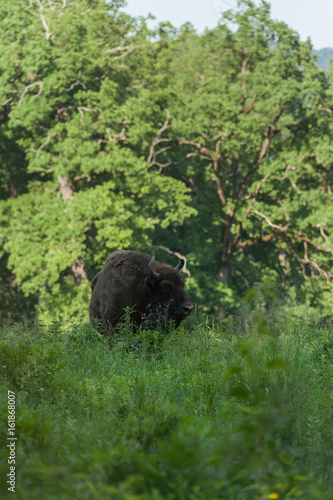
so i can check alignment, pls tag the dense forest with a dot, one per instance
(217, 147)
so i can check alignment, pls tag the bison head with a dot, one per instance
(167, 299)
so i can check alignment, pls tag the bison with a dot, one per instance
(153, 291)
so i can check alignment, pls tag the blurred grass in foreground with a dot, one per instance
(240, 409)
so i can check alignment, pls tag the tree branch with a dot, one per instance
(75, 84)
(244, 72)
(85, 12)
(311, 242)
(269, 134)
(240, 245)
(323, 180)
(152, 157)
(215, 156)
(313, 265)
(128, 49)
(288, 168)
(216, 161)
(294, 185)
(42, 146)
(47, 31)
(40, 85)
(270, 223)
(65, 4)
(322, 232)
(254, 199)
(121, 136)
(6, 102)
(81, 109)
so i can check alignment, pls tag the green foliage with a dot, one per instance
(87, 188)
(216, 146)
(220, 412)
(252, 118)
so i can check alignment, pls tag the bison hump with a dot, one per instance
(117, 258)
(131, 263)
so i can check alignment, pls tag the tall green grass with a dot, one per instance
(240, 409)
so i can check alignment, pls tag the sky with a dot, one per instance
(310, 18)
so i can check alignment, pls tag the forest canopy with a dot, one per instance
(217, 147)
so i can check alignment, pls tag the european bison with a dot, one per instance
(154, 292)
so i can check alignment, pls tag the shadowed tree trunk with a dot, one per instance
(79, 272)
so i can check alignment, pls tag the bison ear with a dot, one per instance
(149, 282)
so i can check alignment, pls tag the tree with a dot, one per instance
(113, 136)
(252, 137)
(80, 186)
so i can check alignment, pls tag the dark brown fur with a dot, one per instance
(125, 282)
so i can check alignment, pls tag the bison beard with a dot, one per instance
(152, 290)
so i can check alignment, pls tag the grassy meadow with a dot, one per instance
(240, 409)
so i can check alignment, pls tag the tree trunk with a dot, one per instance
(224, 273)
(79, 272)
(66, 187)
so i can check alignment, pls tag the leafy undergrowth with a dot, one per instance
(237, 410)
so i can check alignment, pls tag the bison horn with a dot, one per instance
(150, 269)
(180, 265)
